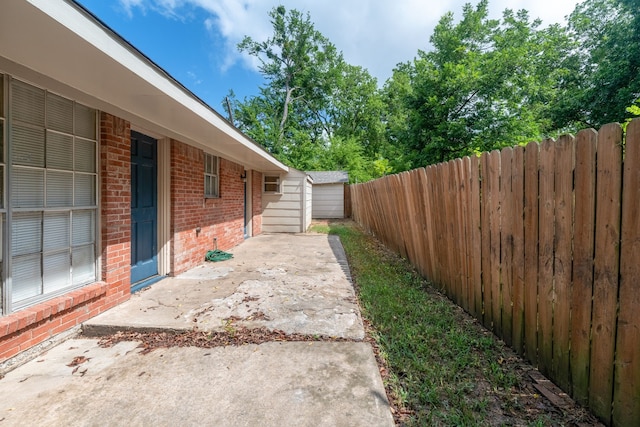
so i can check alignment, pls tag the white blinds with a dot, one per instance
(27, 145)
(59, 114)
(53, 194)
(27, 103)
(59, 151)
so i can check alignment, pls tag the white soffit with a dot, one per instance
(73, 53)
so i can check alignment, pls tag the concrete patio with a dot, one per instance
(293, 283)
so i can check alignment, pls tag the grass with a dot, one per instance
(443, 367)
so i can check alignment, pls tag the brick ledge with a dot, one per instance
(29, 316)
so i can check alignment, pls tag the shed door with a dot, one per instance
(144, 209)
(328, 201)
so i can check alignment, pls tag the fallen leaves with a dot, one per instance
(78, 360)
(150, 341)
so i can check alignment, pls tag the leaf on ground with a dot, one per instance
(78, 360)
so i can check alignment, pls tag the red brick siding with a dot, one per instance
(26, 328)
(221, 218)
(256, 202)
(115, 164)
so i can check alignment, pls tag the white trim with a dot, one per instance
(249, 205)
(105, 40)
(216, 174)
(164, 206)
(264, 183)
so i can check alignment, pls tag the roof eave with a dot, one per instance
(115, 77)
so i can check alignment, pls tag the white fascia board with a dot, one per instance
(76, 20)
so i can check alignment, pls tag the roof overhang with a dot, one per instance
(60, 46)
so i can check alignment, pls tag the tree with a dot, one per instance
(297, 61)
(314, 105)
(605, 63)
(484, 85)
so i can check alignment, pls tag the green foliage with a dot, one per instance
(604, 64)
(484, 85)
(316, 111)
(444, 369)
(634, 111)
(480, 85)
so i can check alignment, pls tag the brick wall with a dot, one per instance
(115, 164)
(220, 218)
(34, 325)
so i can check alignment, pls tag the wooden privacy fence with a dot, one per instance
(542, 244)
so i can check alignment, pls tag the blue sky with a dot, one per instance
(195, 40)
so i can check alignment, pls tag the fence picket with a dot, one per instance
(606, 269)
(450, 283)
(494, 231)
(467, 254)
(531, 226)
(458, 222)
(436, 205)
(429, 215)
(626, 407)
(487, 309)
(545, 258)
(517, 206)
(540, 244)
(584, 225)
(476, 237)
(562, 262)
(506, 244)
(422, 238)
(407, 218)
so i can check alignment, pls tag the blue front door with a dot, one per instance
(144, 209)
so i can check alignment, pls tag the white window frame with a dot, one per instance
(211, 175)
(77, 278)
(271, 179)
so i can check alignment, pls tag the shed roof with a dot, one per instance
(329, 177)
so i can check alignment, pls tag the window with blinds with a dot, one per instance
(52, 199)
(211, 174)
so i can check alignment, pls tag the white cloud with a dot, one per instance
(194, 77)
(128, 5)
(376, 34)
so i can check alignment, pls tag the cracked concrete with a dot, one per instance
(292, 283)
(296, 283)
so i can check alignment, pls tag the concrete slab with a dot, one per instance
(273, 384)
(295, 283)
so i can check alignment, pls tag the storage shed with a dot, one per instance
(286, 202)
(328, 193)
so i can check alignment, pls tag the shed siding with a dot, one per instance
(328, 201)
(284, 213)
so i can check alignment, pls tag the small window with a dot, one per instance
(272, 184)
(211, 176)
